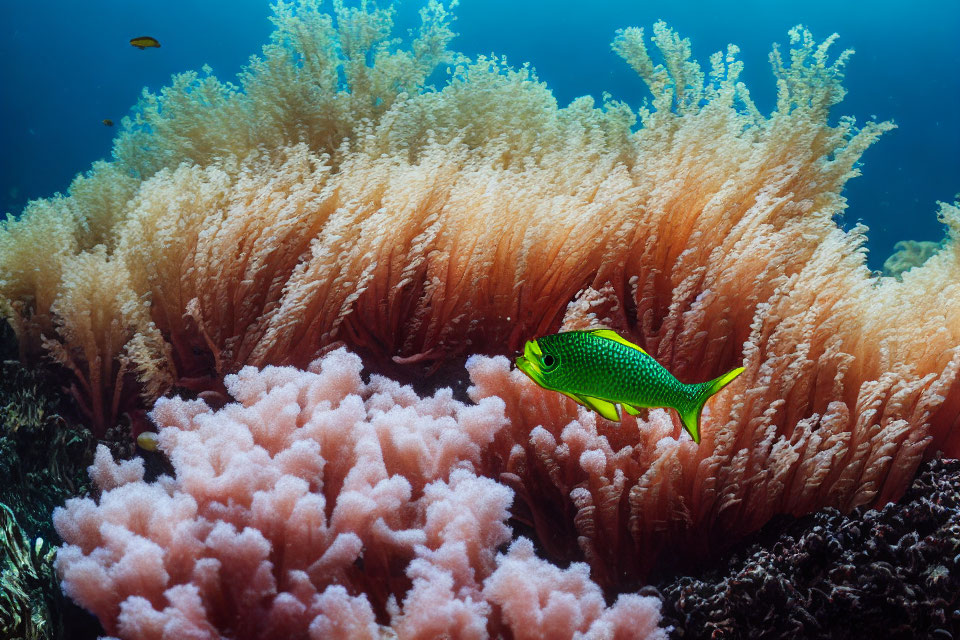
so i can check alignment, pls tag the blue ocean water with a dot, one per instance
(65, 66)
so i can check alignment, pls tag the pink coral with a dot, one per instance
(321, 506)
(539, 600)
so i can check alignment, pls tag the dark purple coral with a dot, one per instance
(888, 573)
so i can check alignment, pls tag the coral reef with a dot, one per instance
(908, 254)
(322, 506)
(335, 197)
(888, 573)
(635, 497)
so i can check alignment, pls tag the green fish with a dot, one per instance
(601, 370)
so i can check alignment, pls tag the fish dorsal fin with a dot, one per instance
(608, 410)
(609, 334)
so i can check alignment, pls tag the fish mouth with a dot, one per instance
(529, 362)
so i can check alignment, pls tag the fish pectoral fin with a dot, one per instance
(637, 410)
(634, 411)
(610, 334)
(607, 409)
(575, 398)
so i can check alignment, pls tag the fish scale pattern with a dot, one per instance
(599, 367)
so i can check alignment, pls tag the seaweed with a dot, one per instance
(43, 461)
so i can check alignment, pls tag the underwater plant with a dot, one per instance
(27, 580)
(43, 461)
(43, 458)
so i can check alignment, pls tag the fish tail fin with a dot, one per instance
(690, 416)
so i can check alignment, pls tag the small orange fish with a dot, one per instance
(108, 122)
(144, 41)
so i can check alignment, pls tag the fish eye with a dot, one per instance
(549, 361)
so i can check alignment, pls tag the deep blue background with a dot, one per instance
(66, 65)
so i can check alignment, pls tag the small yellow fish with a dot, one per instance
(107, 122)
(605, 372)
(145, 41)
(148, 441)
